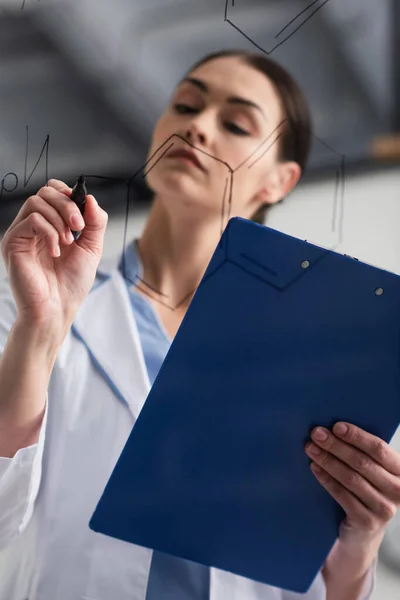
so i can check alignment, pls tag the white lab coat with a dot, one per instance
(49, 491)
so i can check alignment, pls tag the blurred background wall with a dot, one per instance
(82, 84)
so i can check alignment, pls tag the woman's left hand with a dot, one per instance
(362, 473)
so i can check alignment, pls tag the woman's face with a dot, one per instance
(228, 114)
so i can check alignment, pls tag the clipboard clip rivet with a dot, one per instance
(379, 291)
(305, 264)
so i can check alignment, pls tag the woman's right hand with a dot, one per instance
(47, 287)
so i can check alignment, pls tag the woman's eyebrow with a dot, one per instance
(201, 85)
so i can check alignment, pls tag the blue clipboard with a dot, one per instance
(281, 335)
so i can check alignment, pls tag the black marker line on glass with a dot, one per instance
(78, 195)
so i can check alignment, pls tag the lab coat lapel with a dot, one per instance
(105, 324)
(227, 585)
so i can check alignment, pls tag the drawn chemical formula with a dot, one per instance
(10, 181)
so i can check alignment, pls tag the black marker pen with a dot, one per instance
(79, 193)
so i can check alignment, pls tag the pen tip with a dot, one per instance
(81, 179)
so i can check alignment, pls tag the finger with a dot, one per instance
(372, 445)
(35, 225)
(95, 225)
(353, 482)
(59, 185)
(92, 224)
(387, 483)
(64, 205)
(36, 204)
(355, 510)
(60, 203)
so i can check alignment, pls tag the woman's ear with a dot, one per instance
(281, 180)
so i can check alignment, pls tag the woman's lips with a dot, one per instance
(188, 157)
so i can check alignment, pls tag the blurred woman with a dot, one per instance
(81, 345)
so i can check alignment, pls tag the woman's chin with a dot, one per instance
(186, 197)
(176, 183)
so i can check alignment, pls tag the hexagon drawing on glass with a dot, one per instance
(226, 199)
(295, 23)
(225, 208)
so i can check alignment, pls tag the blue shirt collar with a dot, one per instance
(130, 264)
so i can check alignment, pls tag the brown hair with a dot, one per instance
(295, 142)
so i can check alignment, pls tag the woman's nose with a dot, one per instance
(194, 135)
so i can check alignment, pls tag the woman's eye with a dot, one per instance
(236, 129)
(184, 108)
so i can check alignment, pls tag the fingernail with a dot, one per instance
(313, 449)
(341, 428)
(320, 434)
(77, 221)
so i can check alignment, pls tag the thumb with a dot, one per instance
(96, 220)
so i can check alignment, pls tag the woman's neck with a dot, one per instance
(175, 253)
